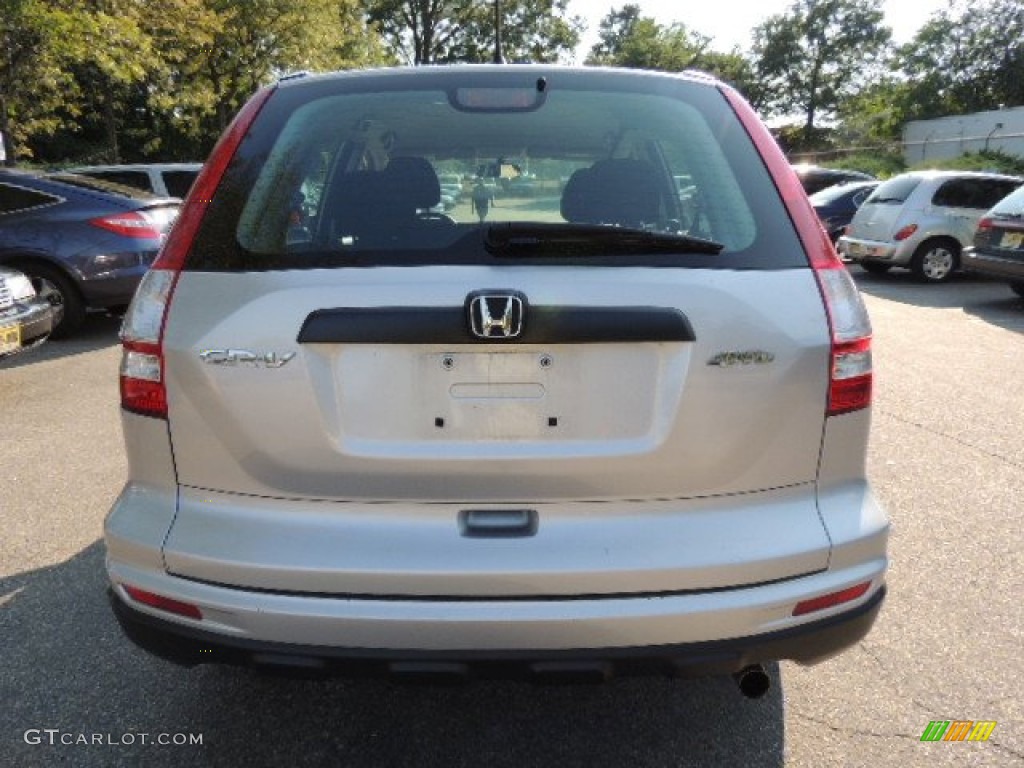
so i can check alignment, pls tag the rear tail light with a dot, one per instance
(905, 232)
(831, 600)
(985, 223)
(143, 388)
(129, 224)
(142, 364)
(850, 375)
(162, 603)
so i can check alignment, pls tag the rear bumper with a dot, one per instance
(982, 263)
(185, 642)
(34, 318)
(855, 249)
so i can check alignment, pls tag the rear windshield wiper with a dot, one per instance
(515, 239)
(886, 200)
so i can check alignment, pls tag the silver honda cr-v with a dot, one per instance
(578, 424)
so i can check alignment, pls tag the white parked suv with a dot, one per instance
(594, 433)
(922, 220)
(163, 179)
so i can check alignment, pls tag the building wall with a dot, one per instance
(946, 137)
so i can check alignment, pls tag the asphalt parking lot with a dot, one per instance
(946, 458)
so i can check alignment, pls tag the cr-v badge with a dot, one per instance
(245, 357)
(747, 357)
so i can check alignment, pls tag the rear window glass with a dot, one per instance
(101, 185)
(894, 191)
(178, 183)
(980, 194)
(1012, 205)
(422, 169)
(136, 179)
(14, 198)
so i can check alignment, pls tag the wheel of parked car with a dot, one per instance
(935, 260)
(53, 285)
(1018, 288)
(876, 267)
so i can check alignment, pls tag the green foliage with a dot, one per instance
(968, 58)
(162, 78)
(434, 31)
(881, 164)
(107, 80)
(32, 78)
(817, 54)
(990, 160)
(627, 39)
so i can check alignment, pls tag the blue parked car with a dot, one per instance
(836, 205)
(84, 243)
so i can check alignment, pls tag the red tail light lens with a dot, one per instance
(984, 224)
(905, 232)
(128, 224)
(830, 600)
(163, 603)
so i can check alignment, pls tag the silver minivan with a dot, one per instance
(922, 220)
(588, 431)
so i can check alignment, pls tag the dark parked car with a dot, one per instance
(836, 205)
(998, 249)
(25, 319)
(815, 178)
(84, 243)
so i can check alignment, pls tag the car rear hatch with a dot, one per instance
(885, 211)
(503, 409)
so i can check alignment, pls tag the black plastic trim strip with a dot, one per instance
(536, 598)
(807, 643)
(450, 325)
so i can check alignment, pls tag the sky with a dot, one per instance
(729, 22)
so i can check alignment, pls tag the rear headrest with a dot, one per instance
(411, 182)
(619, 191)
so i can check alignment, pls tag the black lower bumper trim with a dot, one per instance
(806, 644)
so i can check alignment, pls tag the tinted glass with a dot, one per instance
(894, 191)
(14, 198)
(101, 185)
(137, 179)
(178, 183)
(980, 194)
(1012, 205)
(336, 175)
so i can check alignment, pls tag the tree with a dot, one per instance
(816, 54)
(966, 59)
(627, 39)
(25, 56)
(161, 78)
(433, 31)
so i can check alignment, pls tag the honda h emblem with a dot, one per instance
(496, 315)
